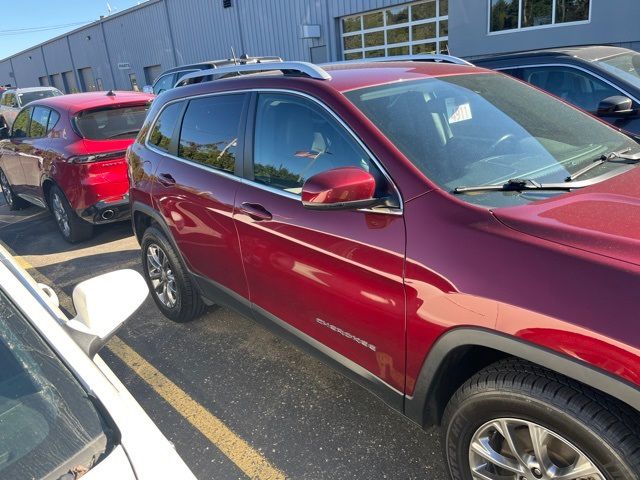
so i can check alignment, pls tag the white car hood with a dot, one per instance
(116, 465)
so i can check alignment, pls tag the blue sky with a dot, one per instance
(40, 14)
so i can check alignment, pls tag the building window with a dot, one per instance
(524, 14)
(415, 28)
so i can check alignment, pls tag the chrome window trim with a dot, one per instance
(386, 210)
(576, 67)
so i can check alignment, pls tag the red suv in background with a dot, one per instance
(463, 244)
(67, 154)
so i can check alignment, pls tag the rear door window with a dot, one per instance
(210, 131)
(9, 100)
(53, 120)
(162, 131)
(39, 122)
(111, 123)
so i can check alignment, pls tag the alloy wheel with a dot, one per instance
(512, 449)
(161, 276)
(6, 189)
(60, 214)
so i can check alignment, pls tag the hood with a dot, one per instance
(603, 218)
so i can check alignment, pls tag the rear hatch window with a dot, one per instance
(111, 123)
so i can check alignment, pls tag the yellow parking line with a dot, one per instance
(251, 462)
(24, 264)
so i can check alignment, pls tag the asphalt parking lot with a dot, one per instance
(247, 404)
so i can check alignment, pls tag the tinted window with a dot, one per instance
(111, 123)
(484, 129)
(53, 119)
(21, 124)
(163, 83)
(296, 139)
(39, 122)
(48, 424)
(574, 86)
(165, 125)
(210, 131)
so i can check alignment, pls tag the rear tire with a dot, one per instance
(13, 201)
(571, 425)
(72, 228)
(170, 285)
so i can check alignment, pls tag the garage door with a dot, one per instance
(412, 28)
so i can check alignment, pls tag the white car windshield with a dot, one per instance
(48, 425)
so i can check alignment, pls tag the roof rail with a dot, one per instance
(305, 68)
(241, 60)
(434, 57)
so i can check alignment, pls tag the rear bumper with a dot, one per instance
(107, 212)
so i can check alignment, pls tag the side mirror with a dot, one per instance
(147, 89)
(340, 189)
(615, 105)
(103, 304)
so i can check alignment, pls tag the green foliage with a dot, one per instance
(210, 154)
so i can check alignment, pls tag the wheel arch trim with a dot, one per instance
(417, 407)
(137, 206)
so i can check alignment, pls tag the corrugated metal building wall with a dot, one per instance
(135, 45)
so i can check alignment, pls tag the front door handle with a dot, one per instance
(166, 179)
(256, 211)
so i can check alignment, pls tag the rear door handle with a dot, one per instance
(256, 211)
(166, 179)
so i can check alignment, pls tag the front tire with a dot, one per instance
(515, 420)
(72, 227)
(13, 201)
(170, 285)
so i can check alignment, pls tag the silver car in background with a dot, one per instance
(12, 101)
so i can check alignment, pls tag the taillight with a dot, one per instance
(98, 157)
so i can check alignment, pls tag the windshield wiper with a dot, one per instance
(609, 157)
(128, 132)
(515, 185)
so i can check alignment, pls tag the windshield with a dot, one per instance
(481, 129)
(625, 66)
(28, 97)
(48, 426)
(111, 123)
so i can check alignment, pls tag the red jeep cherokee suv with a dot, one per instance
(465, 245)
(67, 154)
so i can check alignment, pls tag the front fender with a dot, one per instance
(423, 406)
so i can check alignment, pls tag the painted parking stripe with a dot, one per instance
(250, 461)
